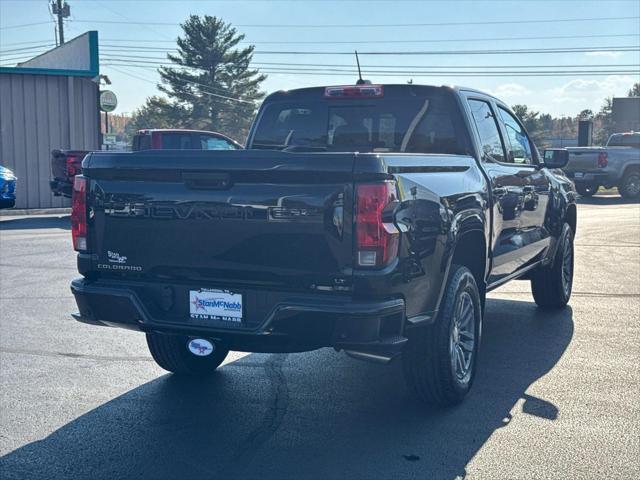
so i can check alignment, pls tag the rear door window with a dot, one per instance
(488, 131)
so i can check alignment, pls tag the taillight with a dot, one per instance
(603, 160)
(79, 213)
(376, 240)
(72, 166)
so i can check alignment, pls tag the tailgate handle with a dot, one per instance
(207, 181)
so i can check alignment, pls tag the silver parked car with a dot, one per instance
(615, 165)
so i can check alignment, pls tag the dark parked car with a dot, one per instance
(176, 139)
(7, 188)
(65, 164)
(371, 218)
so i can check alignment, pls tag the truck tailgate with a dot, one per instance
(583, 159)
(223, 218)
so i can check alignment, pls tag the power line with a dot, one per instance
(25, 49)
(447, 66)
(442, 73)
(370, 68)
(25, 43)
(364, 42)
(165, 61)
(188, 80)
(9, 27)
(489, 39)
(612, 48)
(184, 93)
(616, 48)
(515, 22)
(225, 97)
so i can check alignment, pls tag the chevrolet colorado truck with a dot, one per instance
(615, 165)
(370, 218)
(66, 164)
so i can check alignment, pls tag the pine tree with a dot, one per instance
(212, 79)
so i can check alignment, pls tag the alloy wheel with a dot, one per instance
(462, 338)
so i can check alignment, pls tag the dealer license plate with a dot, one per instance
(209, 304)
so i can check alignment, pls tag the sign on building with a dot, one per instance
(108, 101)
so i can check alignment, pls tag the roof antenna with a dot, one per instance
(360, 80)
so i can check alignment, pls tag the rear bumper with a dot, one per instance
(60, 187)
(595, 178)
(290, 323)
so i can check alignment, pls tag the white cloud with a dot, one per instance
(510, 91)
(580, 93)
(604, 53)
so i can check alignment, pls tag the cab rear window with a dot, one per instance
(624, 141)
(418, 125)
(178, 141)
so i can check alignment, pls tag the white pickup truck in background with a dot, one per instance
(615, 165)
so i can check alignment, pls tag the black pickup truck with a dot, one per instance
(370, 218)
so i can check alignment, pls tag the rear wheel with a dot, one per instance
(440, 360)
(630, 186)
(551, 285)
(587, 189)
(172, 353)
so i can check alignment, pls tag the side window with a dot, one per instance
(215, 143)
(520, 151)
(487, 129)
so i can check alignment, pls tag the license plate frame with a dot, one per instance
(216, 305)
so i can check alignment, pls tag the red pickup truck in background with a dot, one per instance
(66, 164)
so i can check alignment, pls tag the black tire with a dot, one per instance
(172, 353)
(551, 285)
(428, 360)
(629, 188)
(587, 189)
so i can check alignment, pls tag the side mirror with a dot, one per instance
(556, 157)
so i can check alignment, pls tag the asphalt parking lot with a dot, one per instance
(556, 394)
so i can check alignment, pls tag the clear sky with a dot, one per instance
(374, 26)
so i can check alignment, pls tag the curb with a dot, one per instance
(12, 212)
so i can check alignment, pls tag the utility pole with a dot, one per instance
(62, 10)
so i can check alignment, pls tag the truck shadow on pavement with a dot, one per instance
(318, 415)
(36, 222)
